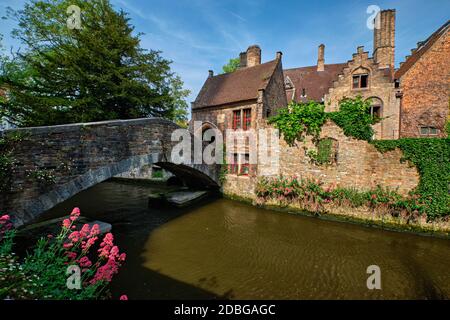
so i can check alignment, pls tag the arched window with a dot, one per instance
(360, 78)
(376, 107)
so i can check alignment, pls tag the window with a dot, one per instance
(234, 167)
(360, 81)
(237, 119)
(245, 167)
(247, 119)
(303, 93)
(375, 111)
(428, 131)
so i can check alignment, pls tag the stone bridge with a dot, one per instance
(54, 163)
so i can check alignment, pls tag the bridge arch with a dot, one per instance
(95, 152)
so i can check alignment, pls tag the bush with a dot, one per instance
(43, 273)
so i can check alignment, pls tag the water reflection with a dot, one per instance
(227, 249)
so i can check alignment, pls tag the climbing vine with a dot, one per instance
(298, 120)
(431, 156)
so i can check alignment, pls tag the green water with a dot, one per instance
(225, 249)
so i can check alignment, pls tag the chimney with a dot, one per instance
(243, 59)
(211, 73)
(321, 58)
(253, 56)
(384, 39)
(279, 55)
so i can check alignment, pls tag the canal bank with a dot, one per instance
(220, 248)
(363, 216)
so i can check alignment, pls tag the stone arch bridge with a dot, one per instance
(75, 157)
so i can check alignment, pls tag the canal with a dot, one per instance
(225, 249)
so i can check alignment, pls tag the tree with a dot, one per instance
(96, 72)
(232, 65)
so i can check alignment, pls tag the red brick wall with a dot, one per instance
(425, 89)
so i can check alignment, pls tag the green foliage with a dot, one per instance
(224, 166)
(42, 176)
(447, 128)
(232, 65)
(314, 197)
(324, 152)
(431, 157)
(8, 163)
(43, 273)
(297, 120)
(354, 118)
(98, 72)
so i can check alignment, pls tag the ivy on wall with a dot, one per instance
(431, 156)
(8, 163)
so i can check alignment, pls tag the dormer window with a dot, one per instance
(360, 81)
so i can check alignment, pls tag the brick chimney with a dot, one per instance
(321, 58)
(384, 39)
(253, 55)
(243, 59)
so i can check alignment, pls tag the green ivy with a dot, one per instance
(298, 120)
(431, 156)
(354, 118)
(324, 152)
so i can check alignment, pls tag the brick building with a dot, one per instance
(241, 100)
(424, 80)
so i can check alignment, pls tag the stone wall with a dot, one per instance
(357, 165)
(380, 86)
(79, 156)
(426, 90)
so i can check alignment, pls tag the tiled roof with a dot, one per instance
(423, 47)
(316, 83)
(240, 85)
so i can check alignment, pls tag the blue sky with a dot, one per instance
(198, 35)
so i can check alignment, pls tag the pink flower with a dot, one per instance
(75, 214)
(66, 223)
(122, 257)
(50, 236)
(95, 230)
(85, 262)
(123, 297)
(67, 245)
(4, 218)
(106, 272)
(71, 255)
(86, 245)
(114, 253)
(74, 236)
(85, 230)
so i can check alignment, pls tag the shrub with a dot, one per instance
(42, 274)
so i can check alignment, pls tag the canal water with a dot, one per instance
(225, 249)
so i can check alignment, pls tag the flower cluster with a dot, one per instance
(314, 196)
(78, 244)
(42, 274)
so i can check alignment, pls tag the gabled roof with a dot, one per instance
(240, 85)
(316, 83)
(423, 47)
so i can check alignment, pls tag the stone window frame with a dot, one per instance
(428, 134)
(244, 119)
(380, 105)
(240, 164)
(358, 72)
